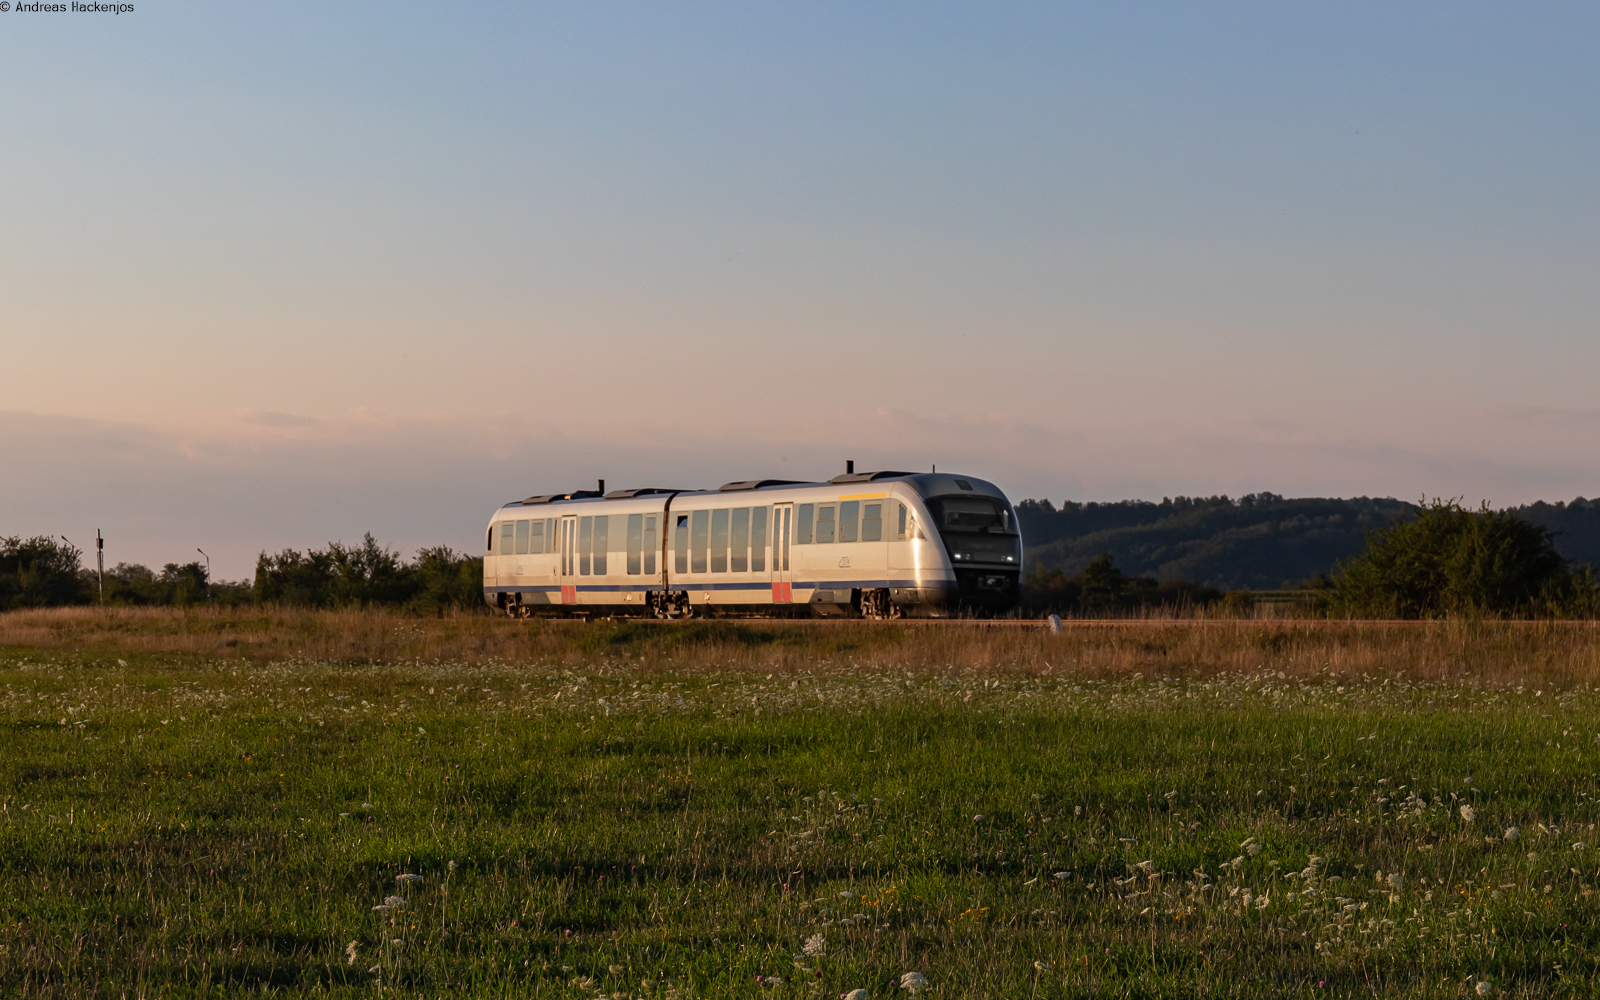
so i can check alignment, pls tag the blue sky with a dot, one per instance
(272, 275)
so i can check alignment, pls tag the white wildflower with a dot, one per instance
(1262, 902)
(366, 805)
(1512, 833)
(1061, 874)
(1396, 881)
(1043, 966)
(1468, 813)
(773, 981)
(976, 819)
(1249, 897)
(1485, 988)
(452, 866)
(350, 953)
(814, 946)
(408, 877)
(855, 995)
(1146, 866)
(1252, 848)
(913, 981)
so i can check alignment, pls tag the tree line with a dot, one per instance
(45, 572)
(1443, 560)
(1436, 559)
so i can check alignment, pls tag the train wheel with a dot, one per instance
(876, 604)
(669, 605)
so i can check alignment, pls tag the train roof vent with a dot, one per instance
(545, 498)
(756, 484)
(583, 495)
(866, 477)
(643, 491)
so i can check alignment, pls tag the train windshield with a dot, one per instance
(972, 515)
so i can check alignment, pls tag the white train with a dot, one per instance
(875, 544)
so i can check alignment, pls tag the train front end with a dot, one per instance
(976, 527)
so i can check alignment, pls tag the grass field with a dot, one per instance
(215, 804)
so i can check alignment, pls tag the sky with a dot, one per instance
(273, 275)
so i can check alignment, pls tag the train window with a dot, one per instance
(872, 523)
(680, 545)
(602, 543)
(488, 541)
(585, 538)
(550, 534)
(902, 532)
(824, 523)
(535, 537)
(699, 540)
(739, 540)
(781, 532)
(635, 542)
(758, 539)
(650, 544)
(522, 538)
(849, 511)
(719, 541)
(802, 530)
(507, 536)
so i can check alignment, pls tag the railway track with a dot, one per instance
(1087, 624)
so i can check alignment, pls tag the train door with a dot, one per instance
(782, 585)
(569, 560)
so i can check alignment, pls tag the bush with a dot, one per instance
(39, 572)
(1453, 561)
(1102, 588)
(176, 585)
(365, 575)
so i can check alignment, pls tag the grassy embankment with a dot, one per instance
(211, 803)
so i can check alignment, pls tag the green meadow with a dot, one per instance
(529, 809)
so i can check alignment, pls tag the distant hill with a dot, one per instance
(1576, 525)
(1257, 542)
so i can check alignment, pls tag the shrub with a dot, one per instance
(1102, 588)
(39, 572)
(365, 575)
(1450, 560)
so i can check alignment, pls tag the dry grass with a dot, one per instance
(1560, 655)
